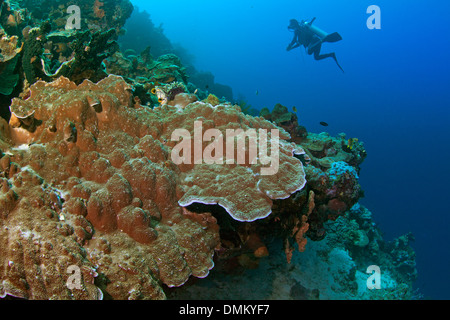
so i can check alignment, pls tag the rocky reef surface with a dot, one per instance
(118, 179)
(334, 268)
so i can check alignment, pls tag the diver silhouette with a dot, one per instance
(311, 37)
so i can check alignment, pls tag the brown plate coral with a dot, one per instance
(93, 188)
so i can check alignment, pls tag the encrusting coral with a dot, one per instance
(287, 120)
(148, 75)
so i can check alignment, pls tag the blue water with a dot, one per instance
(394, 96)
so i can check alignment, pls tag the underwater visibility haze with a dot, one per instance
(99, 103)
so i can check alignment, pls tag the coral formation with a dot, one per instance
(119, 188)
(146, 74)
(103, 189)
(97, 15)
(35, 44)
(287, 120)
(78, 56)
(333, 175)
(9, 56)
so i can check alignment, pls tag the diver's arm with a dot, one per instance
(294, 43)
(292, 46)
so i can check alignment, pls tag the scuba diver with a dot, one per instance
(311, 37)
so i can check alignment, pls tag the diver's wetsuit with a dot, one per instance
(304, 36)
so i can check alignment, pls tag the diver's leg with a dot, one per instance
(318, 56)
(315, 45)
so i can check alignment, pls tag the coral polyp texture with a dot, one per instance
(88, 183)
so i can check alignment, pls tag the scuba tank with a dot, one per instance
(324, 36)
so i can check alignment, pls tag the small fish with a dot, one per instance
(207, 87)
(196, 90)
(294, 108)
(257, 92)
(351, 142)
(322, 123)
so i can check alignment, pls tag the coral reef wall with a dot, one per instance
(121, 179)
(39, 41)
(134, 41)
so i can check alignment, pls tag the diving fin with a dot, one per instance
(332, 37)
(335, 59)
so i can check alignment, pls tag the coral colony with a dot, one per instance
(214, 152)
(121, 179)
